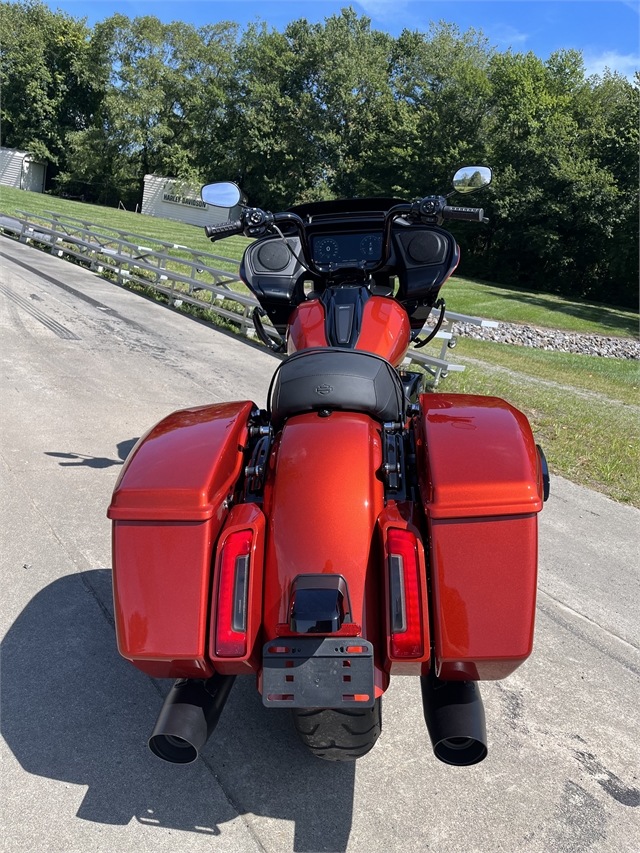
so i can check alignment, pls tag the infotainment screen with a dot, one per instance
(346, 249)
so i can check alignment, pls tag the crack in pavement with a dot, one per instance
(583, 635)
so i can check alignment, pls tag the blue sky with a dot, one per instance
(607, 31)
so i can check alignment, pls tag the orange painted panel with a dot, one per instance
(180, 470)
(479, 480)
(484, 575)
(167, 509)
(161, 587)
(306, 327)
(479, 458)
(385, 329)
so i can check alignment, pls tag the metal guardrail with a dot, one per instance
(184, 274)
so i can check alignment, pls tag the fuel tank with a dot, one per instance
(383, 328)
(322, 500)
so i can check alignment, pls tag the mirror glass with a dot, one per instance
(471, 178)
(221, 194)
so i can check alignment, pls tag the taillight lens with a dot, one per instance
(233, 586)
(407, 639)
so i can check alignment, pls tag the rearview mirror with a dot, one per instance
(471, 178)
(221, 194)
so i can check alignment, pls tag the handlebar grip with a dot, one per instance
(466, 214)
(226, 229)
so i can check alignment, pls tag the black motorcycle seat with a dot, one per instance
(338, 380)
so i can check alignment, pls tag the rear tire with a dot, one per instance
(337, 735)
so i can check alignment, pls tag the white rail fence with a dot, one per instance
(182, 274)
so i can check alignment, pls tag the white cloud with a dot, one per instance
(505, 36)
(383, 10)
(625, 64)
(633, 4)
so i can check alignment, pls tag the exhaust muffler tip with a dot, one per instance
(173, 749)
(188, 717)
(454, 714)
(181, 729)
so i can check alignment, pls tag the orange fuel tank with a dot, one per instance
(306, 327)
(384, 328)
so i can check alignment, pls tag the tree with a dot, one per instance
(271, 122)
(557, 207)
(53, 79)
(440, 78)
(162, 108)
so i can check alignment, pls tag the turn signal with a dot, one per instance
(407, 640)
(233, 585)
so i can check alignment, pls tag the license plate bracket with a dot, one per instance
(318, 672)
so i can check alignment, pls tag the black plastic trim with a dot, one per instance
(343, 308)
(546, 479)
(319, 604)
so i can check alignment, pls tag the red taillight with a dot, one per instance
(407, 640)
(233, 586)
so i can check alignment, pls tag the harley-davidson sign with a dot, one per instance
(173, 198)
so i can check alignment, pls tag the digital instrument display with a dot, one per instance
(346, 249)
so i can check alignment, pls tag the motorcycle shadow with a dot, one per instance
(72, 710)
(83, 460)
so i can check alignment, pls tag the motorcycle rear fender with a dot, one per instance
(480, 485)
(168, 507)
(322, 499)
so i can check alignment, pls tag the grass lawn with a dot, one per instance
(537, 309)
(615, 378)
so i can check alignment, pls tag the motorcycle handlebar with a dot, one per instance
(226, 229)
(465, 214)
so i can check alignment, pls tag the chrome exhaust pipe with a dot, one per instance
(188, 717)
(454, 714)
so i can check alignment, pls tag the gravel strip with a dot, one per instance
(548, 339)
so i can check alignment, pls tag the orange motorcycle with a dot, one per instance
(357, 528)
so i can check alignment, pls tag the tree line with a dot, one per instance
(338, 109)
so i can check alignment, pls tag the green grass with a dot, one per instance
(616, 378)
(538, 309)
(584, 410)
